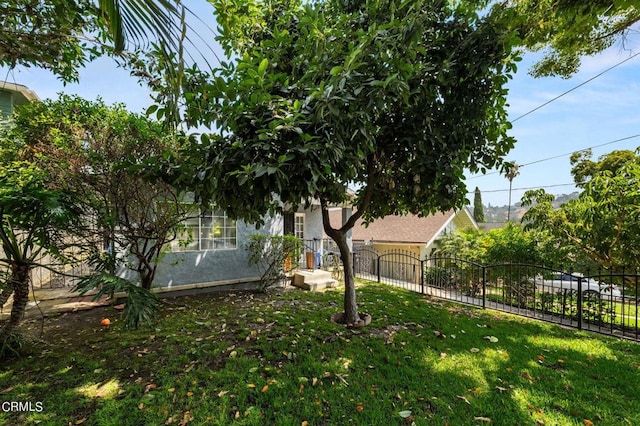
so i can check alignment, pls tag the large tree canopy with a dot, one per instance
(395, 99)
(567, 29)
(600, 227)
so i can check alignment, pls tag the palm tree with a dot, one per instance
(512, 172)
(140, 21)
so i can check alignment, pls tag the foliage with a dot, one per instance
(393, 98)
(243, 359)
(567, 30)
(269, 253)
(64, 35)
(108, 155)
(34, 218)
(13, 345)
(478, 210)
(141, 304)
(464, 243)
(600, 227)
(47, 34)
(513, 244)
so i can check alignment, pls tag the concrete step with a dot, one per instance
(313, 280)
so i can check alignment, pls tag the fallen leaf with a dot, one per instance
(222, 393)
(304, 423)
(140, 407)
(492, 339)
(540, 359)
(80, 421)
(251, 385)
(527, 376)
(443, 355)
(189, 393)
(438, 334)
(186, 418)
(463, 399)
(501, 389)
(474, 350)
(404, 414)
(482, 419)
(587, 422)
(149, 387)
(359, 407)
(265, 388)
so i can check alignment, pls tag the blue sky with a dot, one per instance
(601, 111)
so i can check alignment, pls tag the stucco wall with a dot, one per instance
(184, 268)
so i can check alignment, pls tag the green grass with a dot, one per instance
(276, 359)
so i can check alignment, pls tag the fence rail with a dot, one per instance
(603, 301)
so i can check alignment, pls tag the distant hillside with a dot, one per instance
(499, 214)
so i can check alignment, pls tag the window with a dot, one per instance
(298, 225)
(211, 230)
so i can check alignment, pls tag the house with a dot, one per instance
(12, 94)
(414, 235)
(216, 254)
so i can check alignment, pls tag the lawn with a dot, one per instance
(252, 359)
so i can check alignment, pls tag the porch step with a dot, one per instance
(313, 280)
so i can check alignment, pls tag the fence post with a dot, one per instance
(378, 266)
(579, 303)
(353, 263)
(422, 276)
(484, 287)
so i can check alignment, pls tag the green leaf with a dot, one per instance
(263, 66)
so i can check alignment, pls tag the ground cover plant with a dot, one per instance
(254, 359)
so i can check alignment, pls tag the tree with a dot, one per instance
(150, 37)
(393, 98)
(33, 218)
(478, 210)
(570, 29)
(600, 226)
(62, 35)
(511, 173)
(105, 155)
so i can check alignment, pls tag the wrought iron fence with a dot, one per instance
(602, 301)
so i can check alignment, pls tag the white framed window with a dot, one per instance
(210, 230)
(298, 225)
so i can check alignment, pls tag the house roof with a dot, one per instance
(22, 93)
(407, 228)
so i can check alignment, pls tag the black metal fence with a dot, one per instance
(602, 301)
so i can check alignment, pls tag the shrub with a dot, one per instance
(270, 253)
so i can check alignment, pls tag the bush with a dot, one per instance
(270, 253)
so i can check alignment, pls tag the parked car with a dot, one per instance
(559, 281)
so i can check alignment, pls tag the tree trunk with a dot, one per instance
(6, 294)
(350, 306)
(20, 284)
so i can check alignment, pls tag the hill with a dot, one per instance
(499, 213)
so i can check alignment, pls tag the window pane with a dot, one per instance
(209, 231)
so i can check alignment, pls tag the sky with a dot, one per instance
(600, 113)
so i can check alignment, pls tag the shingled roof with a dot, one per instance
(402, 229)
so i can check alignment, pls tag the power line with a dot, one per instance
(574, 88)
(526, 189)
(561, 155)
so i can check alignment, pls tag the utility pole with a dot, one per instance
(512, 172)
